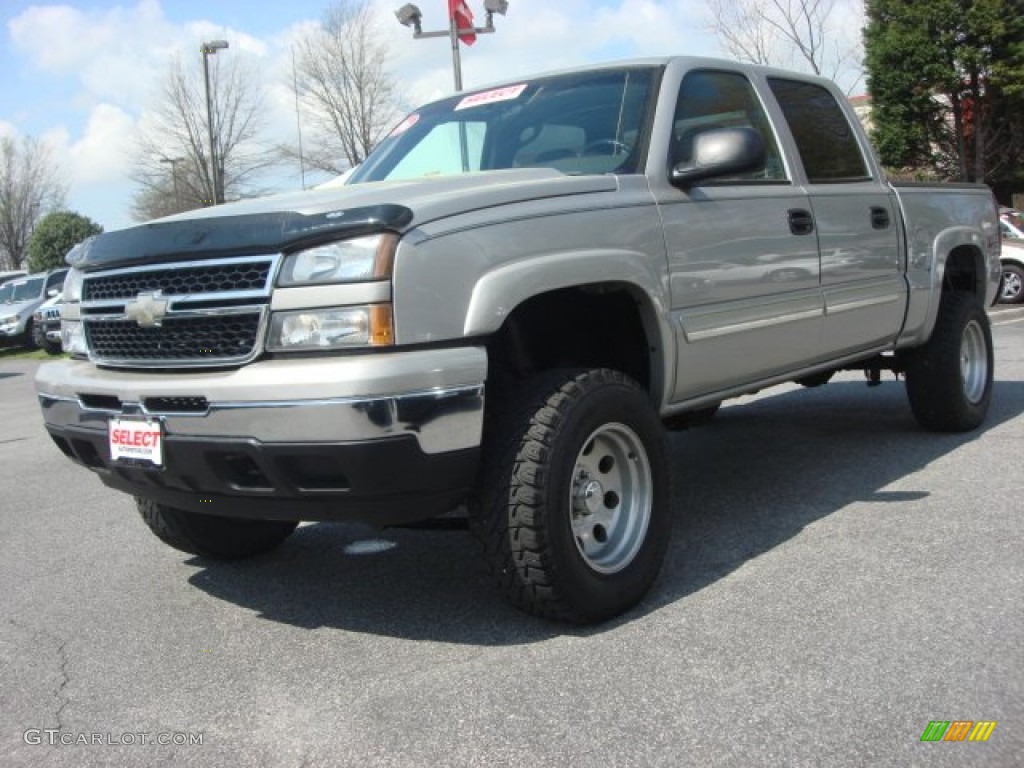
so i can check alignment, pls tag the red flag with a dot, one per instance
(463, 17)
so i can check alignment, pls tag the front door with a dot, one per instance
(743, 262)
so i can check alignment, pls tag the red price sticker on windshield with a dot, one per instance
(507, 93)
(405, 125)
(141, 440)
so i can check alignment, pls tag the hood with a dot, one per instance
(20, 307)
(303, 219)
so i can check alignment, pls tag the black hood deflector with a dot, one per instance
(240, 235)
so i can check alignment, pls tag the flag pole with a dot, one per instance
(453, 33)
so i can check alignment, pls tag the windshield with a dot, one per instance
(584, 123)
(30, 289)
(5, 292)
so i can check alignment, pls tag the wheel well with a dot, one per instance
(595, 326)
(965, 271)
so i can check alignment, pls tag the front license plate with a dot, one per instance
(139, 440)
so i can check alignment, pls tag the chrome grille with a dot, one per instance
(224, 338)
(180, 281)
(195, 314)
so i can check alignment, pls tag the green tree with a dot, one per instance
(55, 235)
(946, 79)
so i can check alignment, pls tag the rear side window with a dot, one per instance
(824, 138)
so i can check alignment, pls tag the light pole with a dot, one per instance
(411, 16)
(174, 177)
(207, 48)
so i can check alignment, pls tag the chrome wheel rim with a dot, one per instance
(611, 498)
(973, 362)
(1012, 285)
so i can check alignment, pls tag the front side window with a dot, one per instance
(710, 99)
(824, 138)
(585, 123)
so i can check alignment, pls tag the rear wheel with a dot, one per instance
(219, 538)
(574, 506)
(949, 379)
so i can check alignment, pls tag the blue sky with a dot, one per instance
(82, 75)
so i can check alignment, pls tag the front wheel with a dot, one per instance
(949, 379)
(28, 338)
(1011, 290)
(574, 508)
(219, 538)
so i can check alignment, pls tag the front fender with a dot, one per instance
(497, 293)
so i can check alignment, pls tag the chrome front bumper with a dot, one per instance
(288, 439)
(435, 396)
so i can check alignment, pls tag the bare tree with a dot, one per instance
(788, 33)
(342, 81)
(29, 188)
(172, 159)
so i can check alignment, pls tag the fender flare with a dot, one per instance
(498, 293)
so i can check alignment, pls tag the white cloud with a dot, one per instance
(103, 153)
(117, 55)
(113, 54)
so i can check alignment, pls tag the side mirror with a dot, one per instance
(52, 292)
(721, 152)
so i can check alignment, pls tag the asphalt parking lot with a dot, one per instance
(838, 580)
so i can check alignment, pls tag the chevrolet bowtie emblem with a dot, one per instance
(147, 309)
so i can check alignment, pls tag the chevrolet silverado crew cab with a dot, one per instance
(506, 305)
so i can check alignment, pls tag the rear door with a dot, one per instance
(856, 219)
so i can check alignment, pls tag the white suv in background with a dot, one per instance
(27, 293)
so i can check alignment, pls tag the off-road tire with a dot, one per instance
(568, 458)
(218, 538)
(949, 379)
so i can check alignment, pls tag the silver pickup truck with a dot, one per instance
(505, 307)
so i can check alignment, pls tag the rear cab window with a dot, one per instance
(824, 139)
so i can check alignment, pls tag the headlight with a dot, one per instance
(329, 329)
(346, 261)
(72, 338)
(73, 285)
(8, 324)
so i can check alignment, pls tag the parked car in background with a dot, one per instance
(1011, 224)
(27, 294)
(1011, 289)
(46, 325)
